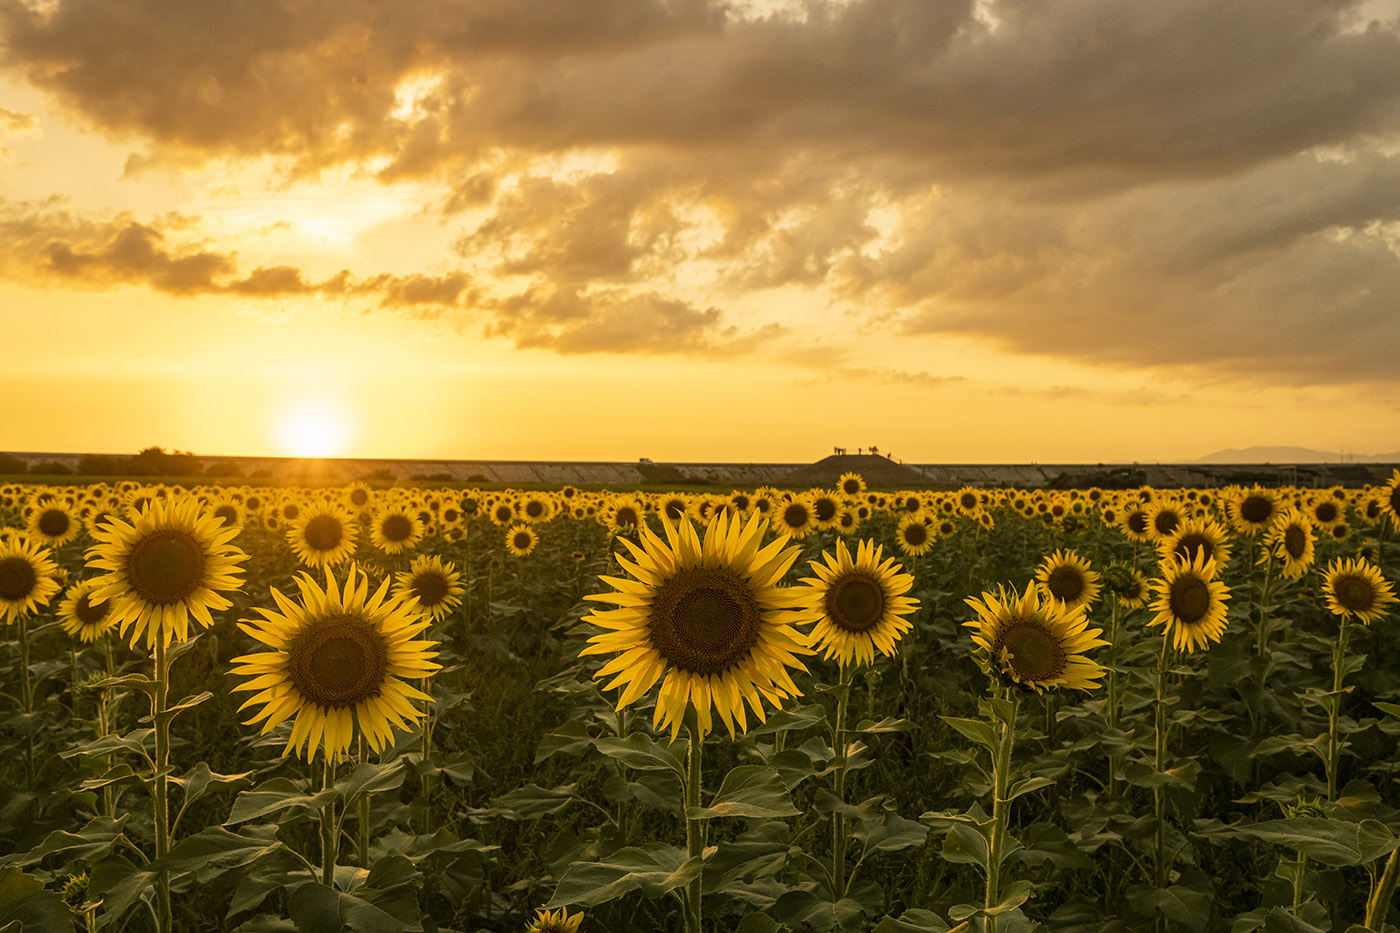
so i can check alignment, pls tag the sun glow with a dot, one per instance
(313, 428)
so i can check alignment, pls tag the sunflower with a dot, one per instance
(339, 663)
(1127, 583)
(521, 540)
(1195, 536)
(54, 523)
(554, 921)
(846, 522)
(851, 485)
(171, 564)
(825, 507)
(229, 511)
(80, 616)
(1190, 602)
(395, 529)
(1037, 643)
(536, 508)
(1253, 510)
(1290, 540)
(28, 577)
(358, 497)
(1134, 520)
(969, 501)
(1067, 578)
(624, 513)
(1339, 531)
(708, 616)
(675, 506)
(914, 535)
(323, 535)
(794, 518)
(1356, 589)
(858, 605)
(1325, 511)
(1163, 518)
(434, 583)
(503, 512)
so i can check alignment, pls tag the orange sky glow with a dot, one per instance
(994, 231)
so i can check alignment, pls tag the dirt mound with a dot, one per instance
(879, 472)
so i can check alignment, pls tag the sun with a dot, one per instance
(313, 428)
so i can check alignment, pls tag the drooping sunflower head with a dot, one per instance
(857, 604)
(554, 921)
(1035, 642)
(1067, 578)
(1355, 589)
(339, 663)
(1196, 536)
(395, 529)
(433, 583)
(708, 617)
(82, 618)
(172, 564)
(28, 577)
(1190, 602)
(323, 535)
(521, 540)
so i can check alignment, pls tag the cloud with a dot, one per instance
(12, 121)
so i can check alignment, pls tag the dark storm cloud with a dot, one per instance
(1124, 182)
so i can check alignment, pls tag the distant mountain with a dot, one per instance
(1293, 455)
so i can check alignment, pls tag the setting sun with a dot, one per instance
(313, 428)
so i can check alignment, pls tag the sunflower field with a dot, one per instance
(238, 708)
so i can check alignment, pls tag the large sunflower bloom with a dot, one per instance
(340, 660)
(1190, 602)
(1355, 588)
(172, 564)
(707, 616)
(1036, 641)
(28, 578)
(858, 604)
(55, 523)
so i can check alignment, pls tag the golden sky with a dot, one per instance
(975, 230)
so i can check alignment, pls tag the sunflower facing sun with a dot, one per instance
(172, 564)
(1036, 641)
(1191, 603)
(706, 618)
(858, 605)
(339, 664)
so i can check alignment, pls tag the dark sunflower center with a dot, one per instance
(165, 566)
(1192, 544)
(1256, 509)
(825, 509)
(1137, 522)
(1065, 584)
(227, 514)
(1395, 499)
(1326, 511)
(534, 509)
(1165, 521)
(915, 534)
(504, 513)
(740, 502)
(912, 504)
(851, 487)
(627, 516)
(1295, 541)
(1189, 598)
(430, 587)
(323, 533)
(522, 540)
(450, 515)
(54, 523)
(1356, 594)
(796, 515)
(1341, 532)
(675, 509)
(704, 620)
(338, 661)
(358, 497)
(88, 613)
(855, 603)
(290, 511)
(396, 528)
(1036, 654)
(17, 578)
(968, 501)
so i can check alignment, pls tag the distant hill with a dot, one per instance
(1293, 455)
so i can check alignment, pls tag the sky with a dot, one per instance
(962, 230)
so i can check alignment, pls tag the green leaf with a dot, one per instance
(796, 719)
(643, 753)
(889, 833)
(1181, 903)
(317, 908)
(172, 711)
(24, 901)
(572, 738)
(138, 681)
(977, 730)
(1281, 921)
(199, 780)
(93, 842)
(531, 802)
(118, 884)
(752, 791)
(369, 778)
(913, 921)
(212, 851)
(758, 853)
(115, 775)
(1332, 842)
(758, 923)
(1028, 785)
(653, 869)
(965, 845)
(274, 796)
(138, 741)
(884, 725)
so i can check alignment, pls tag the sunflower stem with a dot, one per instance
(26, 699)
(1263, 633)
(330, 839)
(160, 784)
(1334, 740)
(1111, 694)
(838, 819)
(362, 815)
(1378, 905)
(694, 828)
(1159, 800)
(1001, 784)
(104, 727)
